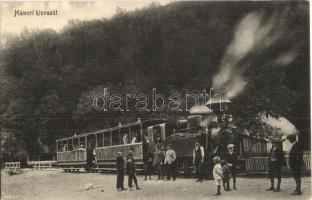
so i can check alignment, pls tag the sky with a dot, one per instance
(10, 25)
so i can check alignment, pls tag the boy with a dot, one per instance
(277, 161)
(131, 172)
(148, 165)
(226, 175)
(217, 174)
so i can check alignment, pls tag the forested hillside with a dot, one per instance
(48, 78)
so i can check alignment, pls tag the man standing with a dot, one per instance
(120, 171)
(295, 162)
(198, 160)
(131, 171)
(231, 160)
(170, 163)
(159, 159)
(277, 161)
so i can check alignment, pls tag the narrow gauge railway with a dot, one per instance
(214, 128)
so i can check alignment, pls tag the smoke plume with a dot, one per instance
(252, 35)
(285, 127)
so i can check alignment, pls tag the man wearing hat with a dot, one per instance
(198, 160)
(231, 160)
(277, 161)
(295, 162)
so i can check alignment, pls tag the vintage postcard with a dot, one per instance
(151, 100)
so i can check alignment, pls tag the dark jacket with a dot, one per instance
(130, 164)
(226, 171)
(279, 155)
(232, 159)
(296, 156)
(159, 157)
(120, 164)
(148, 158)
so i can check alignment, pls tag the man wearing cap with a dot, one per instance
(231, 160)
(170, 163)
(277, 161)
(198, 160)
(295, 162)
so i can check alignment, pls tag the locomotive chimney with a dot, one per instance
(139, 119)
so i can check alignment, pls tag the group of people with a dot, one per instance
(75, 148)
(125, 139)
(277, 161)
(161, 161)
(165, 160)
(224, 169)
(130, 168)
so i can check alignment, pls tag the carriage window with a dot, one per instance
(100, 140)
(64, 145)
(135, 134)
(60, 146)
(115, 137)
(91, 141)
(157, 134)
(124, 136)
(107, 139)
(76, 145)
(70, 145)
(82, 143)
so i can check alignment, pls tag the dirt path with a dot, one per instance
(56, 185)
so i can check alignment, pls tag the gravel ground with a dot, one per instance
(57, 185)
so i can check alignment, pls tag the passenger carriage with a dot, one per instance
(97, 151)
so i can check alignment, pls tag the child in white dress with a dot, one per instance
(217, 174)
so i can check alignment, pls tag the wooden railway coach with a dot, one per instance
(97, 151)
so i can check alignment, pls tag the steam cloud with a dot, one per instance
(253, 34)
(285, 127)
(200, 109)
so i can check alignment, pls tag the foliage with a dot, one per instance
(48, 78)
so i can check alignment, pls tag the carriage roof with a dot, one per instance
(144, 124)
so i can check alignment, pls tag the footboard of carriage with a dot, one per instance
(105, 157)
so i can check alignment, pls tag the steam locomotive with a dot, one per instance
(213, 127)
